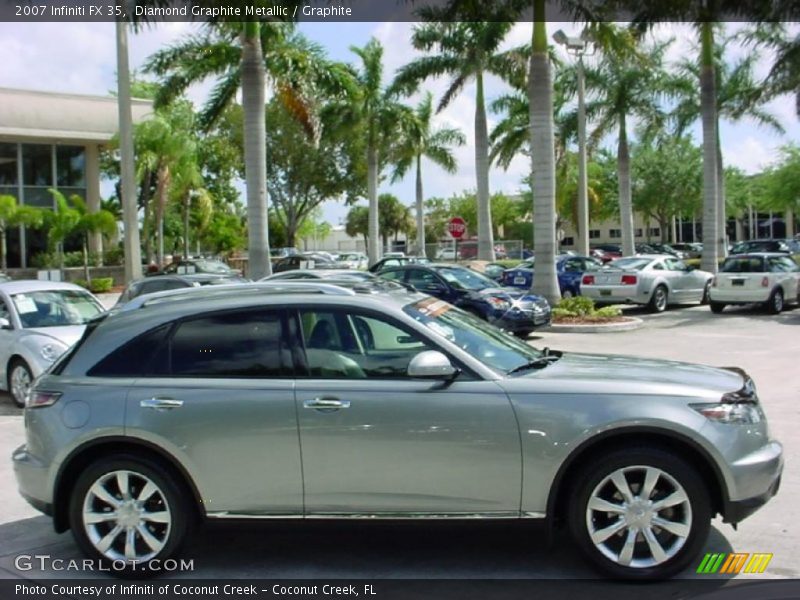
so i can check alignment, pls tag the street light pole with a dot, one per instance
(577, 46)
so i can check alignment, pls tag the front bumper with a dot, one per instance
(31, 478)
(756, 479)
(518, 321)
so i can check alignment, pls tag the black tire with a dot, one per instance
(716, 307)
(659, 300)
(775, 303)
(706, 293)
(169, 498)
(18, 367)
(692, 515)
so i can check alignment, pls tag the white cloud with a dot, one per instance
(750, 154)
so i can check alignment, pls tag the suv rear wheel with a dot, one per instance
(640, 513)
(128, 509)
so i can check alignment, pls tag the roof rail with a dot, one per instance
(274, 287)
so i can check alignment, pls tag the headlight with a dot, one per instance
(734, 414)
(498, 303)
(50, 352)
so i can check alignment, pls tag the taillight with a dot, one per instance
(765, 281)
(588, 280)
(629, 280)
(40, 399)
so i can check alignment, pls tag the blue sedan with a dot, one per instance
(508, 308)
(569, 269)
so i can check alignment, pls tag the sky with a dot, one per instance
(81, 58)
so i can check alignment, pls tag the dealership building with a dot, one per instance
(53, 140)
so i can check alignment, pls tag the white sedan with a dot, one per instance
(655, 280)
(771, 279)
(353, 260)
(39, 321)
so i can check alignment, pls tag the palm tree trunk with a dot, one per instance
(485, 237)
(420, 211)
(255, 150)
(542, 145)
(86, 274)
(722, 217)
(625, 202)
(788, 218)
(187, 205)
(708, 108)
(133, 257)
(374, 250)
(161, 206)
(3, 247)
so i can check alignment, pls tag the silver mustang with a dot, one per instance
(370, 400)
(655, 280)
(39, 320)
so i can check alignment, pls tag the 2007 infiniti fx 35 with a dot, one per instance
(352, 399)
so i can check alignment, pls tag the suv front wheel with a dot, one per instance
(125, 509)
(640, 513)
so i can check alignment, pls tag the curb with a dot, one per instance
(634, 323)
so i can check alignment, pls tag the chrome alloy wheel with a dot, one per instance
(20, 380)
(660, 299)
(126, 516)
(639, 516)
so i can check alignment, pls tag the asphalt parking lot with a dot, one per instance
(766, 346)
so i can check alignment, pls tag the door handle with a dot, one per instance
(161, 403)
(326, 403)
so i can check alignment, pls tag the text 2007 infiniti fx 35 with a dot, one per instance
(353, 399)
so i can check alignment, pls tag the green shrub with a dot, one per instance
(580, 306)
(73, 259)
(114, 256)
(44, 260)
(101, 285)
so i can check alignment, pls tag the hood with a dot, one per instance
(638, 371)
(67, 334)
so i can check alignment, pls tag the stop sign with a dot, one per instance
(457, 227)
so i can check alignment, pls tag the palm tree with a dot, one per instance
(739, 95)
(420, 140)
(371, 110)
(466, 51)
(245, 56)
(13, 214)
(625, 87)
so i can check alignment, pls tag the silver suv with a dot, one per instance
(309, 399)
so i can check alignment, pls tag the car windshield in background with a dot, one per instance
(631, 264)
(55, 308)
(466, 279)
(496, 348)
(212, 266)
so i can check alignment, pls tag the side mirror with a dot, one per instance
(5, 323)
(431, 364)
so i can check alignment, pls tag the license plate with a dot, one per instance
(737, 282)
(605, 292)
(519, 281)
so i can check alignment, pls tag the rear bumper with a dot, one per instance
(613, 294)
(731, 296)
(31, 476)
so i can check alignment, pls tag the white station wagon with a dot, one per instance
(767, 278)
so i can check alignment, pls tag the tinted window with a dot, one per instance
(745, 264)
(134, 359)
(422, 278)
(781, 264)
(345, 345)
(242, 344)
(392, 275)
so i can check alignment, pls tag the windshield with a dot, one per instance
(55, 308)
(492, 346)
(631, 264)
(212, 266)
(466, 279)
